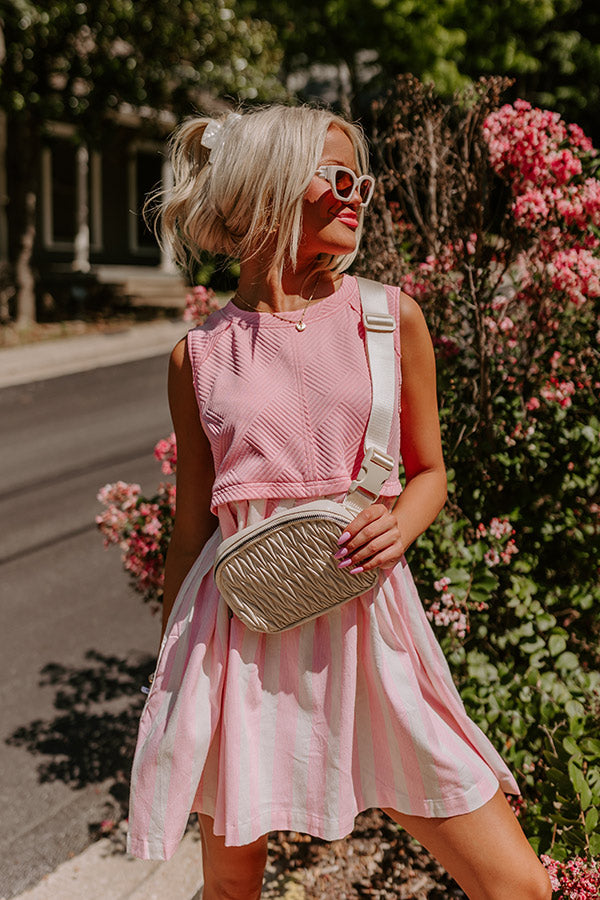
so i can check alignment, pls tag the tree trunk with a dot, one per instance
(23, 202)
(23, 272)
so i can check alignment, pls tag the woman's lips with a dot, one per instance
(348, 218)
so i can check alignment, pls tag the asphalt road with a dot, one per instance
(76, 641)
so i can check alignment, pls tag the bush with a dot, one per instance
(490, 216)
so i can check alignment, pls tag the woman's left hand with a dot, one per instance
(374, 540)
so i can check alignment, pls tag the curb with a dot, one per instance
(67, 356)
(100, 872)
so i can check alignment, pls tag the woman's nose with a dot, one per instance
(355, 200)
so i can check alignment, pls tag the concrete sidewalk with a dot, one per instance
(65, 356)
(101, 873)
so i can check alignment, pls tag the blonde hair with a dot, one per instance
(250, 194)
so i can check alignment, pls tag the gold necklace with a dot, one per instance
(300, 324)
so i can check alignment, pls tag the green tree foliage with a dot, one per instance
(551, 48)
(78, 61)
(398, 36)
(70, 60)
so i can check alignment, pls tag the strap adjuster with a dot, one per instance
(378, 322)
(374, 472)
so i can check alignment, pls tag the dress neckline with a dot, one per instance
(316, 310)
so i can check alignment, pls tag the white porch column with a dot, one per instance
(166, 259)
(81, 260)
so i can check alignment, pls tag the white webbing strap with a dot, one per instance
(377, 465)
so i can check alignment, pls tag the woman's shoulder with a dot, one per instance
(410, 321)
(410, 312)
(201, 339)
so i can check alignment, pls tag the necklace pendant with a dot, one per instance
(300, 326)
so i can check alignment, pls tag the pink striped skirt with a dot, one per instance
(303, 730)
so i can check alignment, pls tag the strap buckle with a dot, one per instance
(374, 472)
(379, 322)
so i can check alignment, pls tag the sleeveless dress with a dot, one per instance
(356, 709)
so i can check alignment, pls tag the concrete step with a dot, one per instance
(145, 286)
(168, 294)
(103, 872)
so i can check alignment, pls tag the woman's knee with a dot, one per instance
(530, 883)
(536, 885)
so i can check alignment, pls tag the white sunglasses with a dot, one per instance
(344, 183)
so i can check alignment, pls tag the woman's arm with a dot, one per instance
(194, 523)
(379, 537)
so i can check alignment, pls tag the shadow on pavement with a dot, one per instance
(92, 738)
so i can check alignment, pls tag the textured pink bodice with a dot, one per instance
(286, 411)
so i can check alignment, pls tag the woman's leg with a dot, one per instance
(231, 873)
(485, 851)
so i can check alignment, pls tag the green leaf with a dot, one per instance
(558, 777)
(458, 576)
(591, 820)
(577, 777)
(574, 708)
(572, 747)
(567, 661)
(591, 746)
(595, 844)
(585, 796)
(556, 644)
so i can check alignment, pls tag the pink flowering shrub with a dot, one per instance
(166, 453)
(142, 526)
(468, 584)
(199, 303)
(488, 215)
(575, 879)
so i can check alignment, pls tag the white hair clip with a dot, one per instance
(212, 136)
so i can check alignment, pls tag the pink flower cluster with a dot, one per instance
(543, 159)
(451, 611)
(166, 453)
(141, 527)
(557, 391)
(120, 499)
(446, 611)
(576, 272)
(569, 376)
(520, 432)
(575, 879)
(199, 304)
(498, 529)
(536, 144)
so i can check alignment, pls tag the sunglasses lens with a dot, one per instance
(344, 184)
(365, 190)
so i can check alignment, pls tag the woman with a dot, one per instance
(270, 398)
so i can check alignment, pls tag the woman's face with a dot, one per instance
(329, 225)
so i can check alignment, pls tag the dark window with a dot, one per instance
(64, 190)
(148, 176)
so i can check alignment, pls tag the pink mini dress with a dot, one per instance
(356, 709)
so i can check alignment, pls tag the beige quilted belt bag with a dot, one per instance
(281, 572)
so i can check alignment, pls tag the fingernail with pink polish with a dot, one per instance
(341, 553)
(357, 570)
(347, 562)
(344, 537)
